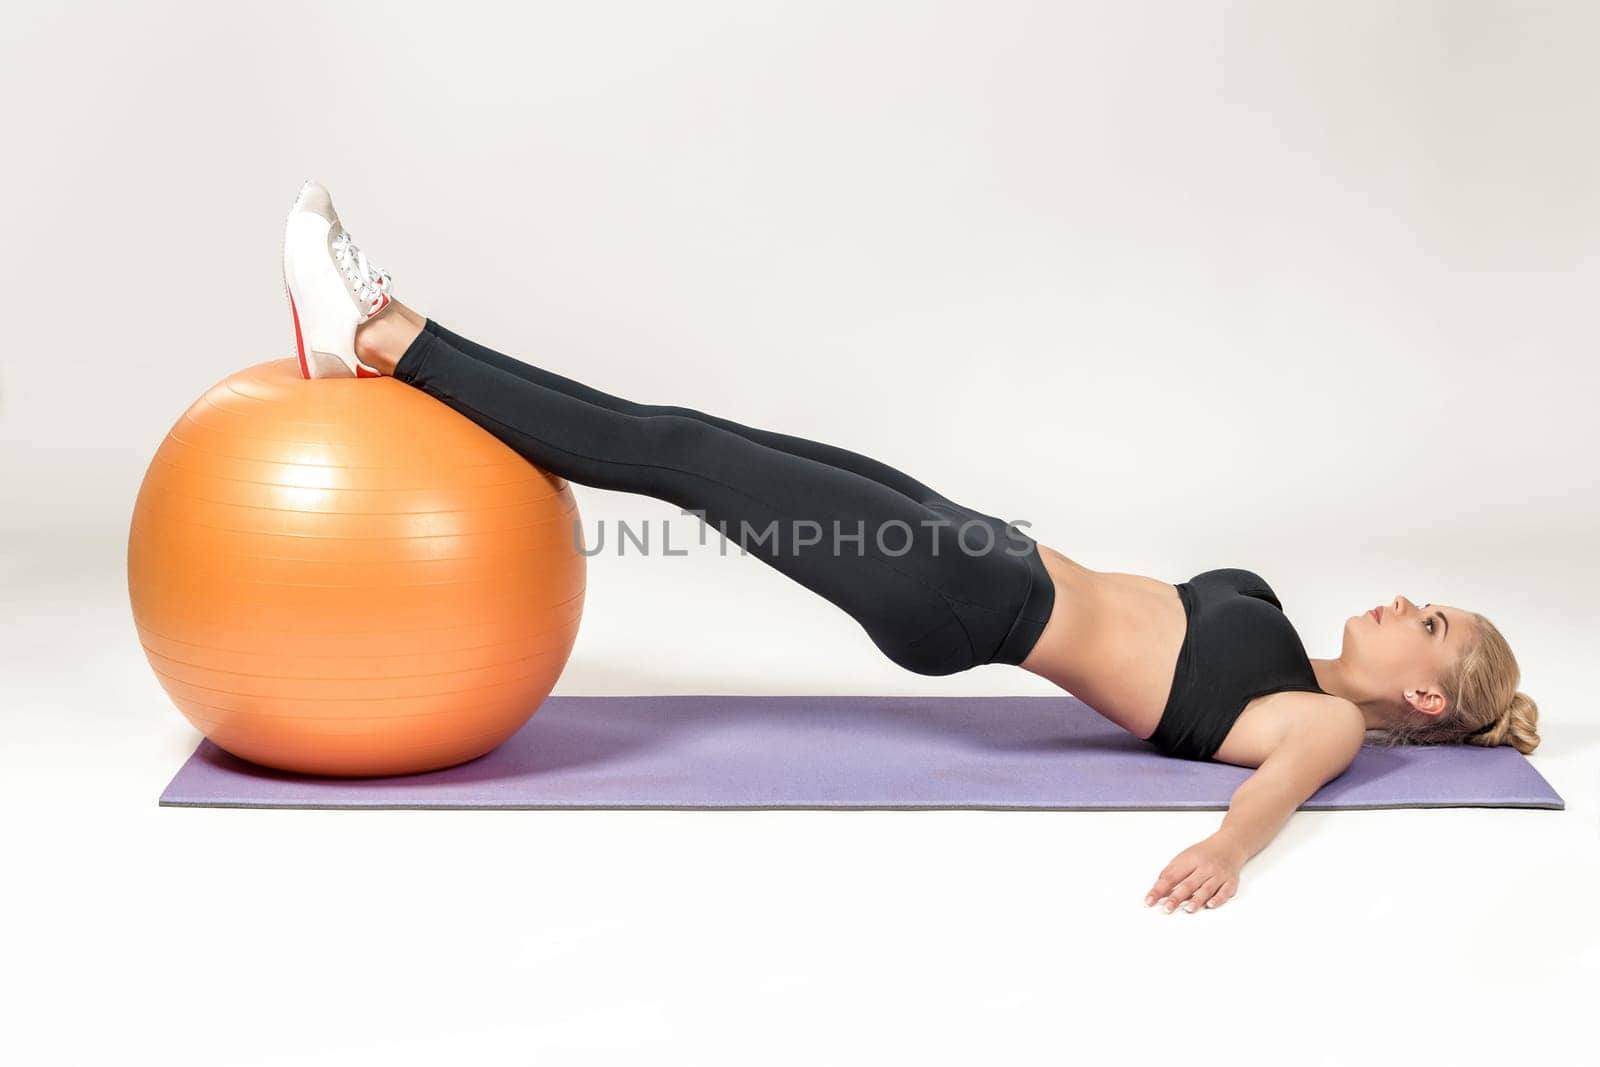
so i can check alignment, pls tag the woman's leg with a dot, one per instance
(844, 459)
(937, 587)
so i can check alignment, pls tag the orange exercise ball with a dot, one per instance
(348, 577)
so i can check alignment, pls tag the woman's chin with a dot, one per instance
(1352, 627)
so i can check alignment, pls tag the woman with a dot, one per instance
(1208, 669)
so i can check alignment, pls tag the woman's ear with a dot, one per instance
(1426, 701)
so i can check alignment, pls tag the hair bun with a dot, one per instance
(1521, 723)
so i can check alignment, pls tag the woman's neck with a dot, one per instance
(1333, 677)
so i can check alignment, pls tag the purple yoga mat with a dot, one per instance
(850, 752)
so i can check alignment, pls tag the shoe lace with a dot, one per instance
(365, 277)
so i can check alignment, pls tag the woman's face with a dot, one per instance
(1399, 647)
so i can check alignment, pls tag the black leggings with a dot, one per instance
(938, 587)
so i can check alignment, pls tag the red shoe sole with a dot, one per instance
(299, 342)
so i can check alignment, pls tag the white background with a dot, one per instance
(1302, 287)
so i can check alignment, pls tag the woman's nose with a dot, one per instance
(1401, 605)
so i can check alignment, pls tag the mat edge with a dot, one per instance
(255, 806)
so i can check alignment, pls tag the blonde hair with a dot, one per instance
(1485, 707)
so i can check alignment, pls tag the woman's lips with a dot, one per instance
(1377, 613)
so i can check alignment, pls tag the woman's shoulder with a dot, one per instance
(1267, 721)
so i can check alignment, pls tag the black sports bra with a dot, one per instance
(1238, 646)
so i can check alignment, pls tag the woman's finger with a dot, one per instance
(1181, 891)
(1175, 872)
(1205, 894)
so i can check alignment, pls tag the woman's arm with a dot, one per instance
(1314, 750)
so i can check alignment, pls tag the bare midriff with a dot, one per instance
(1112, 641)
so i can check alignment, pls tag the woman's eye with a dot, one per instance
(1429, 624)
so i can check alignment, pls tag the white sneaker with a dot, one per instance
(332, 287)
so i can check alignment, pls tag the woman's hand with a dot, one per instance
(1201, 876)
